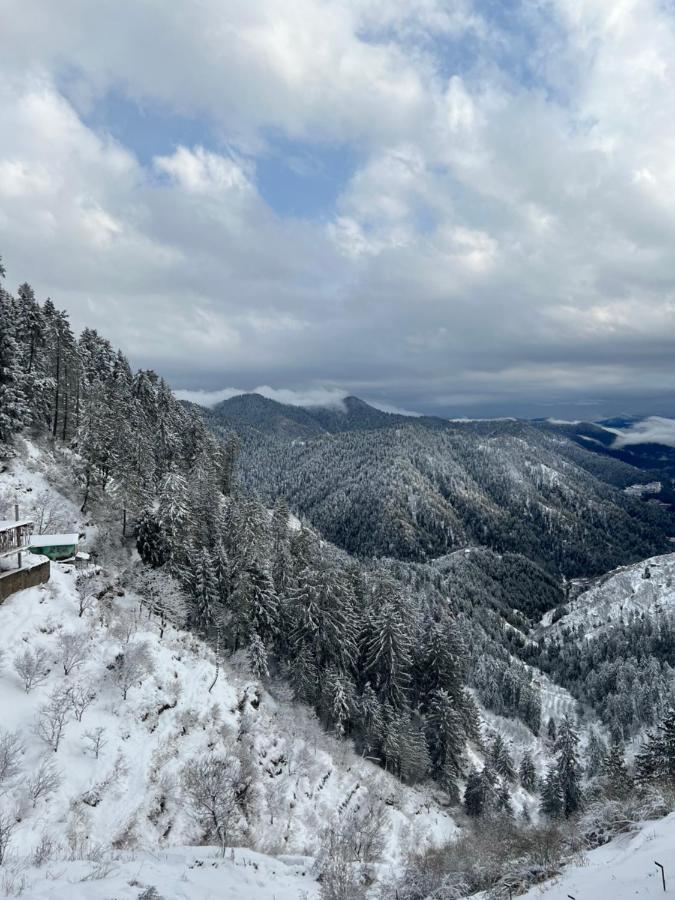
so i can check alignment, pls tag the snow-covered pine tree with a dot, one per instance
(204, 590)
(617, 780)
(568, 766)
(552, 800)
(257, 657)
(527, 773)
(14, 410)
(387, 651)
(473, 795)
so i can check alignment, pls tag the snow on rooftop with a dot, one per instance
(9, 524)
(54, 540)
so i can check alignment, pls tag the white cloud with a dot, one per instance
(331, 397)
(498, 237)
(653, 430)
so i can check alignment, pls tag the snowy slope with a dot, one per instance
(116, 824)
(623, 869)
(130, 797)
(176, 874)
(647, 588)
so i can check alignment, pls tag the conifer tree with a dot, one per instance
(617, 780)
(257, 657)
(387, 653)
(528, 773)
(568, 767)
(503, 799)
(473, 795)
(205, 590)
(552, 800)
(595, 753)
(14, 411)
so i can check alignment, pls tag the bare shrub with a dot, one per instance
(49, 513)
(340, 877)
(44, 851)
(44, 781)
(74, 648)
(94, 741)
(210, 785)
(31, 667)
(53, 717)
(163, 597)
(365, 832)
(130, 666)
(11, 750)
(7, 827)
(80, 696)
(486, 857)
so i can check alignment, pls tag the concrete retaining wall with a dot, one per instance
(20, 579)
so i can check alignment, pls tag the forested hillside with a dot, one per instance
(416, 490)
(447, 649)
(378, 662)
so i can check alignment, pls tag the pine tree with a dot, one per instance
(303, 674)
(473, 795)
(150, 541)
(173, 515)
(503, 800)
(253, 605)
(528, 773)
(617, 780)
(370, 716)
(552, 800)
(446, 737)
(387, 653)
(595, 753)
(14, 411)
(568, 767)
(257, 657)
(488, 784)
(501, 759)
(414, 761)
(656, 761)
(338, 700)
(205, 590)
(322, 617)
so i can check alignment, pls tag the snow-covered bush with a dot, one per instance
(212, 786)
(8, 825)
(492, 853)
(73, 648)
(31, 667)
(44, 780)
(130, 665)
(53, 717)
(11, 751)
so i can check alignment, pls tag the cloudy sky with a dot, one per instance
(458, 206)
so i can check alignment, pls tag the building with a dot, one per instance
(18, 568)
(55, 546)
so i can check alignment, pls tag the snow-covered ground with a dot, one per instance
(621, 870)
(115, 824)
(646, 588)
(183, 873)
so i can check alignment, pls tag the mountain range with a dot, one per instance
(415, 488)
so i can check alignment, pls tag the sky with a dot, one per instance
(459, 207)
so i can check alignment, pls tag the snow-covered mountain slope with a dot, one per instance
(622, 869)
(129, 799)
(183, 873)
(645, 589)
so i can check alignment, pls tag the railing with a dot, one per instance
(14, 539)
